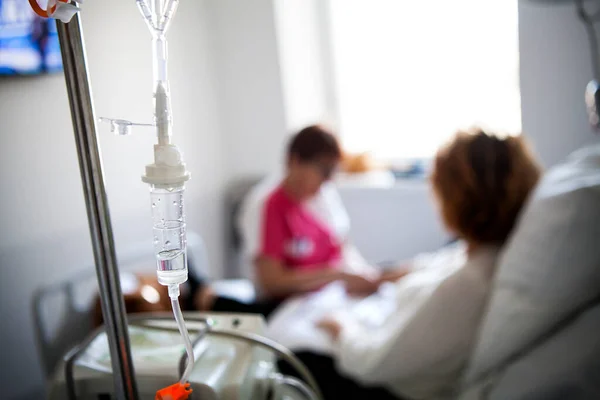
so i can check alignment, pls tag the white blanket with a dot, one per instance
(294, 323)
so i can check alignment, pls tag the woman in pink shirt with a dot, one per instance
(298, 253)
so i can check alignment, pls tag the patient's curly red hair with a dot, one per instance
(482, 181)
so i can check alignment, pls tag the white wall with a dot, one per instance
(246, 65)
(44, 228)
(304, 64)
(392, 224)
(555, 68)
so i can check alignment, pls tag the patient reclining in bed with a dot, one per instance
(414, 335)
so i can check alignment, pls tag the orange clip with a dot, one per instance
(177, 391)
(41, 12)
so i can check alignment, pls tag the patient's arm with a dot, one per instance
(278, 281)
(394, 274)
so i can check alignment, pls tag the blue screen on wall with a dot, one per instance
(28, 44)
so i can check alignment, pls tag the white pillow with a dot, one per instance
(566, 366)
(550, 266)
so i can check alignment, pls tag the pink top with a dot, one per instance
(293, 236)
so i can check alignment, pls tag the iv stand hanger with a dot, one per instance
(90, 164)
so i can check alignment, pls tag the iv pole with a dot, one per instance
(90, 164)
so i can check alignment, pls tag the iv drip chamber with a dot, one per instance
(168, 226)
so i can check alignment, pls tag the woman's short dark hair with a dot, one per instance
(314, 143)
(482, 182)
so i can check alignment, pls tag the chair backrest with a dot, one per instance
(327, 206)
(550, 269)
(564, 364)
(62, 311)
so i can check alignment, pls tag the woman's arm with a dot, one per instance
(278, 281)
(354, 263)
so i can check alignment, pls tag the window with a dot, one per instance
(408, 74)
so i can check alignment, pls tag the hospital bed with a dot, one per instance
(225, 368)
(62, 311)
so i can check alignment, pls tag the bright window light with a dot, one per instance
(408, 74)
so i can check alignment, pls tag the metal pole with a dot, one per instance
(90, 164)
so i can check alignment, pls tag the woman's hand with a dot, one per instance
(359, 284)
(331, 326)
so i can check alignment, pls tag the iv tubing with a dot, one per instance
(146, 13)
(168, 171)
(186, 339)
(159, 55)
(296, 384)
(169, 11)
(158, 21)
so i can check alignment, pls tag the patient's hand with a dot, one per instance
(331, 326)
(394, 275)
(359, 284)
